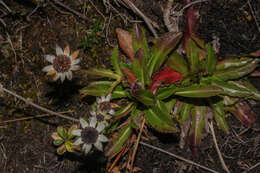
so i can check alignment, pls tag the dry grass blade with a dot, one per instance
(178, 157)
(217, 148)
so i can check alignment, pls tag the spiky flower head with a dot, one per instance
(90, 134)
(62, 64)
(104, 105)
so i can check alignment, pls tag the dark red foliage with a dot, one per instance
(167, 76)
(244, 113)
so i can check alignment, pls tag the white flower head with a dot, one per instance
(62, 64)
(90, 134)
(104, 105)
(102, 117)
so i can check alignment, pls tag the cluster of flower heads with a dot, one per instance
(62, 64)
(90, 132)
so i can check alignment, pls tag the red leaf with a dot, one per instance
(167, 76)
(125, 42)
(244, 113)
(129, 75)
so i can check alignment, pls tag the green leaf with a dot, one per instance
(138, 68)
(185, 112)
(211, 60)
(115, 61)
(170, 104)
(232, 63)
(193, 57)
(61, 150)
(178, 63)
(236, 72)
(62, 132)
(219, 116)
(160, 121)
(166, 92)
(124, 111)
(69, 146)
(247, 86)
(198, 123)
(119, 141)
(161, 49)
(231, 89)
(162, 106)
(100, 88)
(97, 88)
(135, 118)
(199, 91)
(139, 41)
(144, 96)
(102, 73)
(70, 135)
(58, 142)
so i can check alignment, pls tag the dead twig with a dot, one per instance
(37, 106)
(2, 2)
(73, 11)
(31, 117)
(253, 167)
(253, 13)
(137, 11)
(178, 157)
(217, 148)
(136, 145)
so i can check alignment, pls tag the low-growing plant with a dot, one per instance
(177, 84)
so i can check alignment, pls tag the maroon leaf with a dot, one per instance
(191, 16)
(244, 113)
(125, 42)
(129, 75)
(255, 54)
(167, 76)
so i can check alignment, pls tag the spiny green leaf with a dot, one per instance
(100, 88)
(159, 121)
(139, 68)
(231, 89)
(178, 63)
(245, 84)
(196, 131)
(161, 49)
(135, 119)
(236, 72)
(115, 61)
(139, 41)
(166, 92)
(193, 57)
(185, 112)
(102, 73)
(211, 60)
(219, 116)
(144, 96)
(199, 91)
(232, 63)
(119, 141)
(170, 104)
